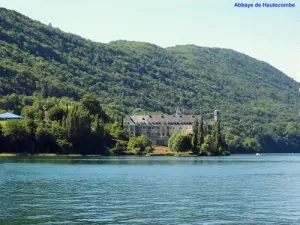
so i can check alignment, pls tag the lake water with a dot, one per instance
(151, 190)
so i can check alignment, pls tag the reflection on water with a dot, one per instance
(159, 160)
(150, 190)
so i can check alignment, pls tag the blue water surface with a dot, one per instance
(239, 189)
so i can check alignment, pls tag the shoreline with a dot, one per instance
(41, 155)
(169, 154)
(175, 154)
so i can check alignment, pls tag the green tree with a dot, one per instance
(180, 142)
(18, 135)
(208, 147)
(121, 147)
(200, 132)
(219, 145)
(91, 104)
(56, 113)
(251, 144)
(78, 128)
(46, 142)
(216, 134)
(140, 145)
(3, 146)
(28, 112)
(98, 136)
(195, 133)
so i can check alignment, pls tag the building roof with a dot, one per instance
(160, 119)
(7, 115)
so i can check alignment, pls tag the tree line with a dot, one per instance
(200, 142)
(64, 126)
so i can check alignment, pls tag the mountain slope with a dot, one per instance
(38, 58)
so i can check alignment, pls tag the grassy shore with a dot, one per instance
(78, 155)
(185, 154)
(8, 154)
(179, 154)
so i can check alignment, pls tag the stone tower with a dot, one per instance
(216, 115)
(179, 110)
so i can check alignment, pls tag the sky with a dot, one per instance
(268, 34)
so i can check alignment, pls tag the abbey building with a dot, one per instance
(159, 128)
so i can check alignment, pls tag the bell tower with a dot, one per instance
(179, 110)
(216, 115)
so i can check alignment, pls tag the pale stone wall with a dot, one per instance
(159, 128)
(159, 134)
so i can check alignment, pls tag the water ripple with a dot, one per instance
(239, 190)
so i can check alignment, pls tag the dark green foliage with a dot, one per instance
(117, 131)
(46, 141)
(92, 105)
(67, 129)
(42, 61)
(31, 112)
(11, 102)
(195, 133)
(208, 147)
(18, 136)
(200, 132)
(140, 145)
(195, 146)
(56, 113)
(209, 143)
(216, 142)
(216, 134)
(2, 141)
(180, 142)
(120, 148)
(251, 144)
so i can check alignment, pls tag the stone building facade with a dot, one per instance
(159, 128)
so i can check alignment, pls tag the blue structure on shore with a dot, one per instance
(10, 116)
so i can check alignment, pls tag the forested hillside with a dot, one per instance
(259, 104)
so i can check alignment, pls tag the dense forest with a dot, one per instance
(62, 126)
(41, 64)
